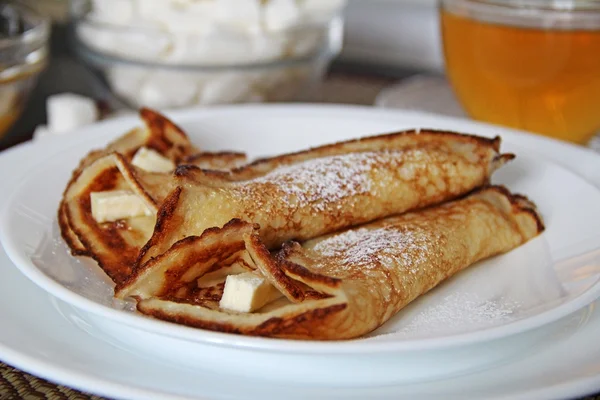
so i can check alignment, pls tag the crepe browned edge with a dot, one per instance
(326, 286)
(220, 160)
(220, 248)
(115, 245)
(330, 149)
(263, 166)
(158, 128)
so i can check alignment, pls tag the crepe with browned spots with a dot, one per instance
(158, 133)
(339, 286)
(315, 192)
(116, 245)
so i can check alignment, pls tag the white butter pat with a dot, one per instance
(40, 132)
(117, 204)
(247, 292)
(68, 111)
(152, 161)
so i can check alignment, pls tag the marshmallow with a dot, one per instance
(267, 48)
(321, 7)
(152, 10)
(243, 15)
(281, 14)
(224, 48)
(127, 81)
(41, 132)
(168, 89)
(112, 11)
(207, 33)
(179, 16)
(213, 49)
(68, 111)
(143, 42)
(226, 88)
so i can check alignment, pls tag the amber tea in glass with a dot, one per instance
(532, 65)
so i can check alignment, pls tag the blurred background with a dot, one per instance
(519, 63)
(125, 55)
(525, 64)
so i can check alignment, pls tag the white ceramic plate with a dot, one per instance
(532, 286)
(46, 337)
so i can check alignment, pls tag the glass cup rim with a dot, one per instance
(554, 15)
(554, 6)
(39, 32)
(80, 14)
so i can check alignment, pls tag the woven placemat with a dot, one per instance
(15, 384)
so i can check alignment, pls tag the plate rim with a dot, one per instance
(24, 264)
(103, 386)
(579, 386)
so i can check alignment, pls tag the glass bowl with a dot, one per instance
(166, 54)
(23, 55)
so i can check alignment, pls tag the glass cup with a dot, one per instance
(23, 55)
(527, 64)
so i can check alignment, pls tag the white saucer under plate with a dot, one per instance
(551, 338)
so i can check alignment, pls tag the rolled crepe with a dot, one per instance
(115, 246)
(339, 286)
(312, 193)
(158, 133)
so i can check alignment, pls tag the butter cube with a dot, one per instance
(41, 131)
(152, 161)
(247, 292)
(117, 204)
(164, 90)
(281, 14)
(244, 15)
(69, 111)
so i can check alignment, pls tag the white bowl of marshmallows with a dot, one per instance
(169, 54)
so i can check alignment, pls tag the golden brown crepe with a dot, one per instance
(339, 286)
(308, 194)
(158, 133)
(116, 245)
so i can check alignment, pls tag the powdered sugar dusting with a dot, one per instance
(455, 313)
(322, 181)
(456, 310)
(80, 275)
(387, 245)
